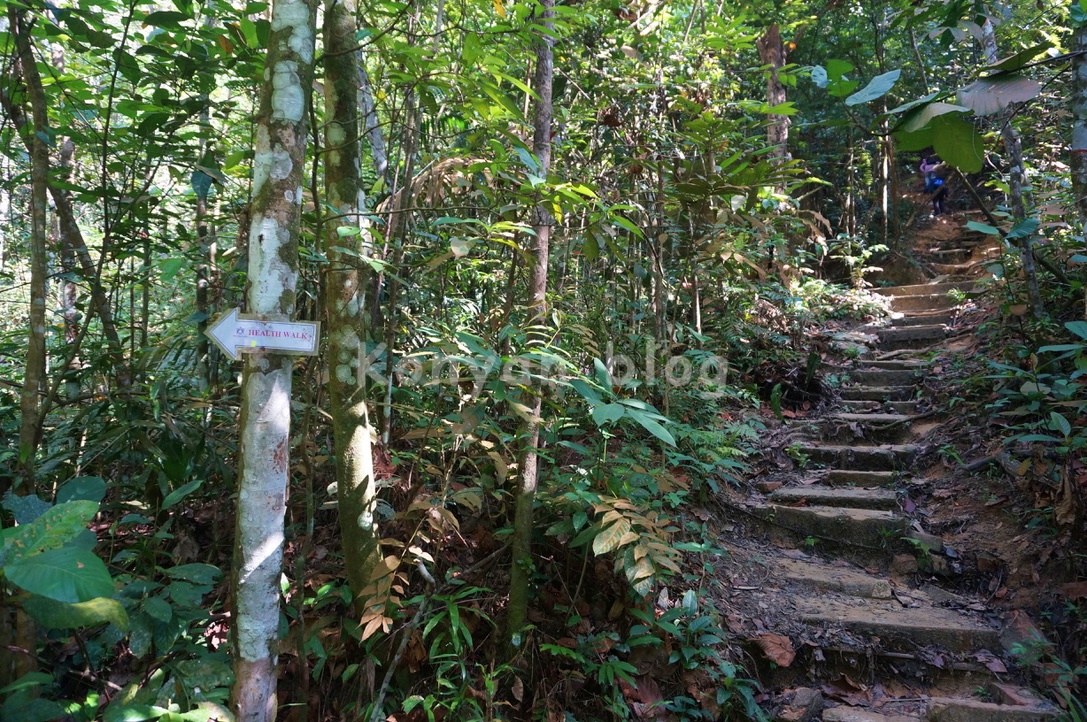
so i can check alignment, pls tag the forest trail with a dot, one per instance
(846, 611)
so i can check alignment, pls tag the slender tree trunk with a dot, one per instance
(35, 134)
(1013, 148)
(346, 285)
(772, 53)
(276, 208)
(1078, 160)
(73, 239)
(521, 567)
(371, 122)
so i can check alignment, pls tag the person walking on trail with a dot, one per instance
(932, 169)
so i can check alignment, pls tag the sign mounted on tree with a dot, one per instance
(235, 334)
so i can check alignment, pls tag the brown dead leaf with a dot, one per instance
(777, 648)
(1073, 590)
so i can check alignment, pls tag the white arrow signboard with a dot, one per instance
(236, 334)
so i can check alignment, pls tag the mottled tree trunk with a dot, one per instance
(772, 53)
(1013, 148)
(1078, 146)
(276, 212)
(521, 567)
(35, 134)
(346, 285)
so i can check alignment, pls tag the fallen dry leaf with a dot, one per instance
(777, 648)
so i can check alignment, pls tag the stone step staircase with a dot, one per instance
(850, 501)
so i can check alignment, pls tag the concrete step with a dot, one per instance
(857, 714)
(894, 339)
(861, 406)
(895, 625)
(923, 302)
(885, 377)
(869, 528)
(861, 478)
(850, 497)
(920, 289)
(958, 709)
(893, 364)
(943, 318)
(877, 393)
(875, 426)
(948, 255)
(834, 578)
(869, 458)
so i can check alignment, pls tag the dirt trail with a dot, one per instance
(844, 609)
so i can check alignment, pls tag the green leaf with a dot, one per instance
(1077, 327)
(958, 143)
(180, 493)
(836, 69)
(650, 425)
(603, 376)
(54, 528)
(921, 118)
(461, 246)
(877, 87)
(30, 679)
(1057, 422)
(1078, 14)
(82, 488)
(51, 614)
(1024, 228)
(169, 268)
(25, 509)
(608, 413)
(66, 575)
(987, 96)
(196, 573)
(608, 539)
(983, 228)
(166, 19)
(1015, 62)
(628, 225)
(21, 707)
(158, 609)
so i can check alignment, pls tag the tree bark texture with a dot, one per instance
(35, 134)
(276, 211)
(1078, 146)
(521, 568)
(1013, 148)
(345, 288)
(772, 53)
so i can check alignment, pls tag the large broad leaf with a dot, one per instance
(54, 528)
(1020, 59)
(51, 614)
(958, 143)
(877, 87)
(987, 96)
(608, 413)
(922, 117)
(25, 509)
(905, 107)
(82, 488)
(652, 426)
(66, 575)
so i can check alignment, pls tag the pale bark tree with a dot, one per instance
(772, 54)
(347, 240)
(1013, 149)
(35, 134)
(521, 567)
(276, 210)
(1078, 101)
